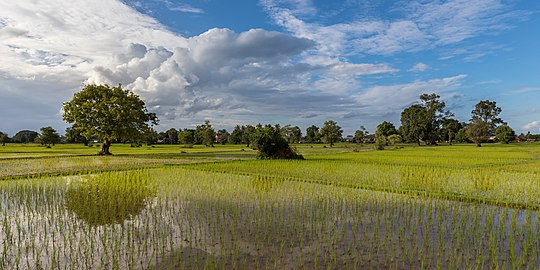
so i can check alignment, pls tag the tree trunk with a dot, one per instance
(105, 148)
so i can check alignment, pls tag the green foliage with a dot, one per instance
(484, 120)
(360, 134)
(331, 132)
(205, 134)
(413, 123)
(25, 136)
(108, 113)
(187, 136)
(450, 128)
(505, 134)
(386, 128)
(48, 136)
(172, 134)
(291, 134)
(248, 134)
(222, 136)
(3, 138)
(236, 135)
(423, 122)
(312, 134)
(393, 139)
(271, 144)
(462, 136)
(74, 136)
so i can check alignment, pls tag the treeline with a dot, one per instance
(427, 122)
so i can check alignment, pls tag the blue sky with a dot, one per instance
(297, 62)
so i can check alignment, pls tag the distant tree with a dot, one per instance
(3, 138)
(271, 144)
(25, 136)
(150, 136)
(248, 134)
(462, 135)
(108, 113)
(312, 134)
(186, 136)
(386, 128)
(48, 136)
(331, 132)
(505, 134)
(222, 136)
(205, 134)
(74, 136)
(393, 139)
(450, 128)
(423, 122)
(380, 140)
(291, 134)
(360, 134)
(236, 135)
(435, 115)
(484, 120)
(413, 123)
(172, 133)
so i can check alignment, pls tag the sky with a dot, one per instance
(298, 62)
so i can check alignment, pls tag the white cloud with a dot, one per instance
(422, 25)
(419, 67)
(250, 75)
(392, 99)
(533, 126)
(185, 8)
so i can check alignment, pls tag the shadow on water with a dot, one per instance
(111, 198)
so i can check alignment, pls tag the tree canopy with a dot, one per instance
(331, 132)
(484, 120)
(48, 136)
(423, 122)
(271, 144)
(312, 134)
(505, 134)
(108, 113)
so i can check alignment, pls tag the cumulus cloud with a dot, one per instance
(533, 126)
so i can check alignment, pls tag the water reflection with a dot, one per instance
(109, 198)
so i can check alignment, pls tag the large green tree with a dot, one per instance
(413, 123)
(331, 132)
(108, 113)
(484, 120)
(48, 136)
(418, 125)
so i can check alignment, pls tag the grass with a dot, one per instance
(345, 207)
